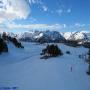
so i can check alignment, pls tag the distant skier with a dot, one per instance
(71, 68)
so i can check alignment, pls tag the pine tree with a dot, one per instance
(3, 46)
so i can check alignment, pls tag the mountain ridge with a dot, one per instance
(50, 35)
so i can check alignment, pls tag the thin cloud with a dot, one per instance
(69, 10)
(79, 25)
(36, 26)
(45, 8)
(63, 11)
(59, 11)
(40, 4)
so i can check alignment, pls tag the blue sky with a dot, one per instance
(62, 15)
(79, 11)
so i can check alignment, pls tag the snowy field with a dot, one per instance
(23, 69)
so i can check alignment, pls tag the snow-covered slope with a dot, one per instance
(23, 69)
(67, 35)
(82, 35)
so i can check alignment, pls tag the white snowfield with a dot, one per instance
(23, 69)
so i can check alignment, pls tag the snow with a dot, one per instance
(33, 35)
(23, 68)
(67, 35)
(53, 35)
(78, 35)
(39, 36)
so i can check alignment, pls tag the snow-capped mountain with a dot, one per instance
(82, 35)
(42, 36)
(50, 36)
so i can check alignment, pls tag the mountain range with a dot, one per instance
(50, 36)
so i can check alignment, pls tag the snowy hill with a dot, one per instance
(23, 69)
